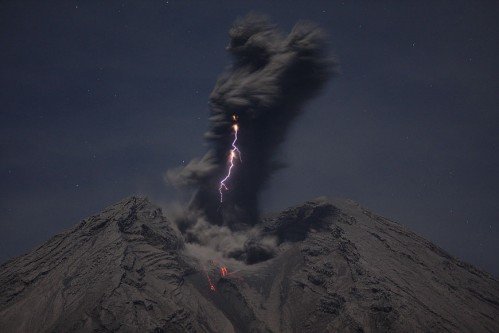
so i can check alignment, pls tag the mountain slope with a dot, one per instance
(339, 267)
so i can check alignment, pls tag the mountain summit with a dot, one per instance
(338, 268)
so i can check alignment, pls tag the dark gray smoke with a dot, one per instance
(271, 78)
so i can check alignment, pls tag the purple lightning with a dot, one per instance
(233, 153)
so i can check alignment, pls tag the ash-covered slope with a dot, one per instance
(339, 268)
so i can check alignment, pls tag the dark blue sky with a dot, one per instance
(100, 98)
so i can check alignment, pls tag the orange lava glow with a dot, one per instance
(224, 271)
(217, 271)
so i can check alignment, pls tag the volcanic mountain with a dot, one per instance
(338, 268)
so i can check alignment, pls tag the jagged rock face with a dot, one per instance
(339, 268)
(94, 277)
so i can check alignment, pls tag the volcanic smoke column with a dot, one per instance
(271, 78)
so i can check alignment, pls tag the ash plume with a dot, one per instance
(271, 77)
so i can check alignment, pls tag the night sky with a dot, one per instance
(100, 98)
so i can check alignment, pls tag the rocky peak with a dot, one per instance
(339, 267)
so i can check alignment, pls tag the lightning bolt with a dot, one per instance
(234, 152)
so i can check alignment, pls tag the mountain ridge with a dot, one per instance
(338, 267)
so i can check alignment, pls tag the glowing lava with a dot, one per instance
(232, 155)
(212, 286)
(224, 271)
(215, 271)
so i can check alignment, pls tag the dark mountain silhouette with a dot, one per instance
(339, 268)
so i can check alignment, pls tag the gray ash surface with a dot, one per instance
(338, 268)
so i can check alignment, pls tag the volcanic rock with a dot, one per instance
(338, 268)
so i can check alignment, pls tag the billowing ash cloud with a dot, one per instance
(271, 78)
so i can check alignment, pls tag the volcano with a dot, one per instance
(338, 268)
